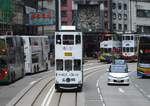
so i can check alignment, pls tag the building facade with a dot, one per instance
(140, 19)
(6, 14)
(66, 12)
(47, 7)
(120, 15)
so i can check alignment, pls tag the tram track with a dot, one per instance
(87, 74)
(24, 93)
(48, 81)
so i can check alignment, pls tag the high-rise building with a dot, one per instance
(66, 12)
(140, 16)
(6, 13)
(120, 15)
(89, 22)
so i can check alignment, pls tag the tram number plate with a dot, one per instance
(68, 54)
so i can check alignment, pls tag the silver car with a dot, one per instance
(118, 74)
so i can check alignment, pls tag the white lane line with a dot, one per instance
(101, 98)
(104, 104)
(121, 90)
(97, 83)
(136, 85)
(148, 96)
(33, 82)
(142, 91)
(96, 67)
(48, 97)
(98, 90)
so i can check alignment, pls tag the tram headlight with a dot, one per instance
(79, 82)
(56, 81)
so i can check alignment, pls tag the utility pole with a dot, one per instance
(42, 11)
(58, 14)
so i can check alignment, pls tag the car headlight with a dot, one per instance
(110, 77)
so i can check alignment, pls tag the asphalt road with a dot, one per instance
(8, 92)
(95, 91)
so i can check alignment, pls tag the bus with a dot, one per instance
(143, 64)
(129, 47)
(110, 47)
(68, 60)
(36, 50)
(11, 59)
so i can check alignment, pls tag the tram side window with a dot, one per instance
(77, 64)
(124, 49)
(131, 49)
(128, 49)
(78, 39)
(58, 39)
(2, 62)
(68, 39)
(59, 64)
(132, 38)
(10, 42)
(35, 58)
(68, 65)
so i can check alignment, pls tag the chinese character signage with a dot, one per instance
(45, 17)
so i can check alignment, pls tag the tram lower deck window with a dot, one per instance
(68, 65)
(77, 64)
(59, 64)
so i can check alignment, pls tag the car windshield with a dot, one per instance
(119, 61)
(118, 69)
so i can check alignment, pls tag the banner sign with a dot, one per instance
(45, 17)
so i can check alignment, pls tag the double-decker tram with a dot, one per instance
(129, 47)
(110, 47)
(68, 60)
(11, 59)
(143, 64)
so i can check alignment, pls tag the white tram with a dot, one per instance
(68, 60)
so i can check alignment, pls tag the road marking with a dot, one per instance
(121, 90)
(101, 98)
(98, 90)
(48, 97)
(148, 96)
(104, 104)
(96, 67)
(136, 85)
(97, 83)
(33, 82)
(142, 91)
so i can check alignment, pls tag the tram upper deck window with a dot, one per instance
(68, 39)
(2, 47)
(127, 37)
(59, 64)
(34, 41)
(68, 65)
(77, 64)
(78, 39)
(58, 39)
